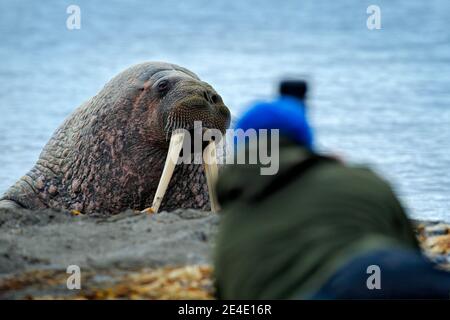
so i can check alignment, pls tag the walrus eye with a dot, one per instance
(163, 86)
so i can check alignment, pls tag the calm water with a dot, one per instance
(379, 97)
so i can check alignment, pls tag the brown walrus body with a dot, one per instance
(109, 154)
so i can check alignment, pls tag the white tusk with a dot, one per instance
(211, 173)
(176, 143)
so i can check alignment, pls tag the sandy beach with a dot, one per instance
(129, 255)
(37, 245)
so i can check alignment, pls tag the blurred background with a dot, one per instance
(379, 97)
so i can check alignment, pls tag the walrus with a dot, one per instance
(108, 155)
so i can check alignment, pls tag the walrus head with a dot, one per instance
(177, 98)
(185, 99)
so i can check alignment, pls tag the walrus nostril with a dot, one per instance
(211, 97)
(214, 98)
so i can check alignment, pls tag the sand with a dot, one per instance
(42, 244)
(129, 255)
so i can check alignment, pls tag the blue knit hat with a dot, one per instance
(286, 114)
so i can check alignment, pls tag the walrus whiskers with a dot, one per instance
(168, 126)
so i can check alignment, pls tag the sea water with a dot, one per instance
(379, 97)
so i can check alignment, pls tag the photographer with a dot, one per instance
(319, 228)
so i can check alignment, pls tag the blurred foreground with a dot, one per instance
(128, 256)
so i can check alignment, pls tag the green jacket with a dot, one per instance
(288, 242)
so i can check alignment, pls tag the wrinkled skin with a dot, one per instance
(108, 155)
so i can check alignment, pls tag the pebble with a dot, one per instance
(440, 259)
(436, 230)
